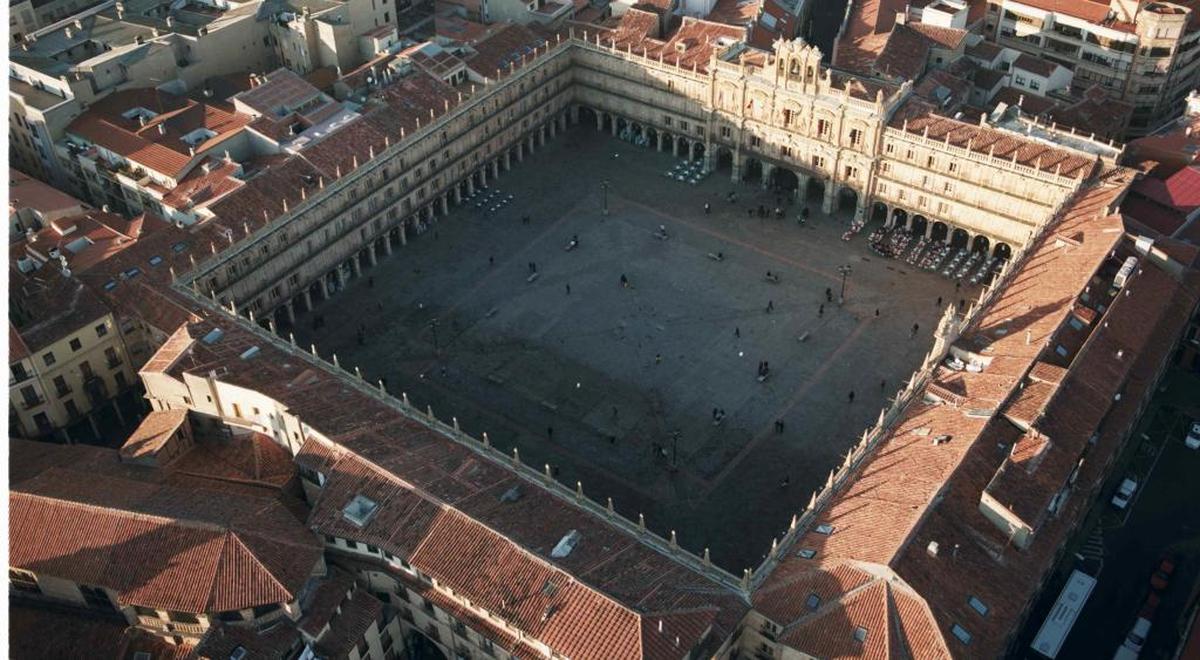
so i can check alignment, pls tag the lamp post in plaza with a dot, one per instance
(604, 195)
(845, 271)
(433, 325)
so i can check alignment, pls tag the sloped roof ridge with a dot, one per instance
(447, 507)
(137, 515)
(875, 578)
(231, 536)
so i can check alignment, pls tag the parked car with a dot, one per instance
(1124, 493)
(1193, 437)
(1136, 638)
(1162, 575)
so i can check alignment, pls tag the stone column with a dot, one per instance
(660, 141)
(599, 120)
(928, 228)
(692, 151)
(356, 264)
(496, 169)
(860, 211)
(404, 233)
(507, 161)
(483, 177)
(429, 214)
(531, 144)
(767, 170)
(372, 258)
(457, 194)
(520, 152)
(614, 126)
(736, 176)
(387, 244)
(445, 204)
(341, 276)
(289, 312)
(827, 204)
(675, 146)
(802, 180)
(574, 114)
(553, 128)
(307, 297)
(471, 185)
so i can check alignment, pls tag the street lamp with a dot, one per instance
(845, 271)
(604, 195)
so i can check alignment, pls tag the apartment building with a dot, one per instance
(59, 71)
(32, 204)
(1138, 51)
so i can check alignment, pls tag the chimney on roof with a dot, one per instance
(901, 17)
(932, 548)
(69, 32)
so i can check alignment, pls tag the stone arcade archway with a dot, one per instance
(980, 244)
(940, 232)
(879, 213)
(785, 180)
(959, 238)
(899, 218)
(1002, 250)
(919, 225)
(847, 198)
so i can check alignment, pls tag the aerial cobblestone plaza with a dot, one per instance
(515, 358)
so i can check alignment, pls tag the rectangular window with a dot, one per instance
(978, 605)
(48, 358)
(102, 330)
(60, 386)
(961, 633)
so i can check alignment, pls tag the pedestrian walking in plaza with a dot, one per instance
(779, 426)
(939, 301)
(820, 311)
(962, 302)
(658, 358)
(568, 289)
(371, 282)
(770, 306)
(787, 480)
(737, 332)
(707, 208)
(851, 397)
(882, 385)
(624, 281)
(550, 432)
(916, 327)
(828, 294)
(492, 261)
(877, 313)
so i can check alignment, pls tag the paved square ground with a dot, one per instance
(570, 376)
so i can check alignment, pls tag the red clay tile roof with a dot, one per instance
(947, 38)
(56, 632)
(159, 546)
(921, 118)
(157, 145)
(154, 431)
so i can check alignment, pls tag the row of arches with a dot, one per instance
(937, 230)
(414, 223)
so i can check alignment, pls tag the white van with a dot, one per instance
(1125, 493)
(1136, 638)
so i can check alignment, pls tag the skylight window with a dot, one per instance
(978, 605)
(179, 247)
(360, 510)
(860, 634)
(1061, 350)
(110, 285)
(78, 245)
(1076, 323)
(155, 260)
(198, 136)
(813, 601)
(566, 545)
(132, 273)
(961, 633)
(213, 336)
(824, 528)
(133, 114)
(806, 553)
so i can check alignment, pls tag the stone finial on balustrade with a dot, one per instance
(642, 523)
(674, 541)
(547, 472)
(487, 442)
(358, 373)
(429, 412)
(454, 422)
(382, 387)
(611, 510)
(706, 559)
(516, 456)
(812, 502)
(335, 361)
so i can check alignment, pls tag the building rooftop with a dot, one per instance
(158, 545)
